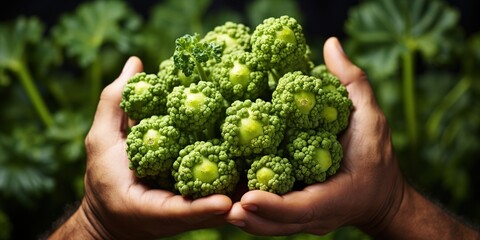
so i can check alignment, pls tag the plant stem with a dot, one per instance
(201, 72)
(453, 96)
(409, 98)
(26, 79)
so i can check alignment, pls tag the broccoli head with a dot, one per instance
(230, 36)
(306, 104)
(329, 81)
(205, 168)
(271, 173)
(153, 144)
(195, 106)
(279, 43)
(252, 128)
(238, 77)
(314, 155)
(144, 95)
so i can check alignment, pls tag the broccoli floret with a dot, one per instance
(230, 36)
(329, 81)
(153, 144)
(238, 77)
(195, 106)
(271, 173)
(172, 76)
(252, 128)
(190, 54)
(144, 95)
(307, 105)
(205, 168)
(279, 43)
(314, 155)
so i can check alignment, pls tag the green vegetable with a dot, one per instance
(196, 106)
(271, 173)
(315, 155)
(144, 95)
(309, 103)
(238, 77)
(230, 37)
(252, 128)
(205, 168)
(279, 44)
(153, 145)
(190, 54)
(241, 102)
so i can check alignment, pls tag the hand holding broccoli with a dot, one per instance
(116, 205)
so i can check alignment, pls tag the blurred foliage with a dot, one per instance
(51, 76)
(424, 70)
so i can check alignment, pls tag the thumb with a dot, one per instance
(109, 117)
(349, 74)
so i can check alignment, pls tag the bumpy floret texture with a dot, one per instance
(314, 155)
(230, 36)
(205, 168)
(238, 77)
(252, 128)
(271, 173)
(279, 43)
(237, 104)
(195, 106)
(153, 145)
(143, 96)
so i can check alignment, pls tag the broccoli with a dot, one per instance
(314, 155)
(279, 44)
(236, 104)
(238, 78)
(153, 144)
(172, 76)
(205, 168)
(195, 106)
(230, 36)
(271, 173)
(252, 128)
(190, 53)
(307, 105)
(144, 95)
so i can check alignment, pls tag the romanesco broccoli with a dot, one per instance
(205, 168)
(271, 173)
(314, 155)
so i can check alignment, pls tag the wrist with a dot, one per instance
(82, 224)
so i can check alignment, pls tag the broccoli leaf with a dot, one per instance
(190, 53)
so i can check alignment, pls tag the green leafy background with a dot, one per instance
(423, 62)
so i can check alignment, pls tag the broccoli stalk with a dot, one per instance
(190, 54)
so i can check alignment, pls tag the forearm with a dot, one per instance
(419, 218)
(77, 226)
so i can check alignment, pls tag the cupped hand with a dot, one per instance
(367, 190)
(116, 205)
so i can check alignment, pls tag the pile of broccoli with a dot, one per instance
(237, 104)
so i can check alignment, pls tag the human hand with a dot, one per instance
(366, 191)
(116, 204)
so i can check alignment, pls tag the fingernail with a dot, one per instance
(251, 208)
(237, 223)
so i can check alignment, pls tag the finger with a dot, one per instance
(165, 204)
(255, 224)
(339, 64)
(109, 117)
(295, 206)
